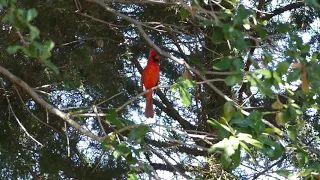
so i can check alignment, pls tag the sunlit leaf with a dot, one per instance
(31, 14)
(228, 110)
(247, 138)
(277, 105)
(132, 176)
(266, 73)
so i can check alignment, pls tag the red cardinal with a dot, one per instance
(150, 78)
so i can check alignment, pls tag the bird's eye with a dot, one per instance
(155, 58)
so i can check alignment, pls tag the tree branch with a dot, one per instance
(46, 105)
(283, 9)
(268, 168)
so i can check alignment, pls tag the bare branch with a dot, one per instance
(168, 163)
(284, 9)
(46, 105)
(17, 119)
(268, 168)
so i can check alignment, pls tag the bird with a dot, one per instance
(150, 79)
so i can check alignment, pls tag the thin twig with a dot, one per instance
(110, 98)
(269, 167)
(17, 119)
(99, 120)
(35, 117)
(68, 141)
(167, 162)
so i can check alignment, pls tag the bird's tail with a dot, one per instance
(149, 113)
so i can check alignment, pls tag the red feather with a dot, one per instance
(150, 79)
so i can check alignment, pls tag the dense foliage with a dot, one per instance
(238, 96)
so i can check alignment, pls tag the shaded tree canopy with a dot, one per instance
(238, 96)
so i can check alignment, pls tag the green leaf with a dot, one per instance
(236, 159)
(137, 134)
(13, 49)
(184, 13)
(222, 129)
(31, 14)
(51, 66)
(266, 73)
(109, 143)
(217, 36)
(277, 77)
(273, 131)
(246, 148)
(292, 132)
(48, 45)
(283, 67)
(271, 148)
(221, 145)
(219, 125)
(277, 105)
(228, 110)
(132, 176)
(293, 76)
(247, 138)
(222, 64)
(280, 120)
(242, 13)
(289, 114)
(4, 3)
(112, 118)
(313, 3)
(225, 157)
(185, 96)
(184, 85)
(284, 173)
(185, 82)
(30, 51)
(267, 57)
(262, 32)
(234, 142)
(131, 160)
(283, 28)
(231, 152)
(232, 80)
(121, 150)
(255, 119)
(314, 57)
(34, 33)
(302, 157)
(227, 146)
(240, 122)
(174, 88)
(237, 66)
